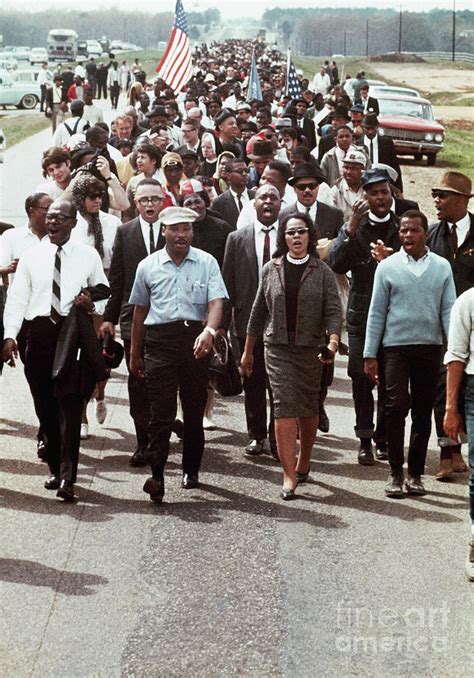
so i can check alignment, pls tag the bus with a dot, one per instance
(62, 44)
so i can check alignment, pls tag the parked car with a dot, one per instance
(410, 122)
(38, 55)
(377, 90)
(94, 48)
(24, 76)
(8, 61)
(20, 94)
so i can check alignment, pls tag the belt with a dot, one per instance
(176, 325)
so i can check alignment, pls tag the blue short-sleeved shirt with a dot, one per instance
(177, 292)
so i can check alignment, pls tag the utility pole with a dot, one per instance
(400, 31)
(367, 38)
(345, 42)
(454, 30)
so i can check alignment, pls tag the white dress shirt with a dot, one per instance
(259, 230)
(109, 225)
(375, 142)
(31, 292)
(462, 228)
(312, 210)
(145, 226)
(416, 266)
(93, 114)
(244, 198)
(51, 188)
(247, 216)
(14, 243)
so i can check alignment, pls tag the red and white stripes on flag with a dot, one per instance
(176, 67)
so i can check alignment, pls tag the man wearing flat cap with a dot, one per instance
(370, 235)
(178, 295)
(452, 237)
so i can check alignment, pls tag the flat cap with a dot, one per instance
(374, 176)
(177, 215)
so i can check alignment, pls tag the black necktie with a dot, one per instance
(454, 239)
(239, 200)
(371, 150)
(152, 239)
(55, 312)
(266, 246)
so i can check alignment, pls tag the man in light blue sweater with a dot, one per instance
(410, 307)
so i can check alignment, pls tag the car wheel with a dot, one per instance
(418, 156)
(431, 159)
(29, 101)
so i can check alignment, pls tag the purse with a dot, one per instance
(223, 372)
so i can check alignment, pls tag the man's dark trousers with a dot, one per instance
(255, 389)
(138, 399)
(411, 376)
(60, 418)
(170, 365)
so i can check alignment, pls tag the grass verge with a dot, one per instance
(458, 152)
(19, 127)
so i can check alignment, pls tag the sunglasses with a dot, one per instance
(296, 231)
(303, 187)
(155, 199)
(441, 194)
(94, 196)
(60, 218)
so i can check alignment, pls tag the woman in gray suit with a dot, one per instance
(296, 308)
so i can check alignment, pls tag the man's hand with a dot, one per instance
(83, 300)
(246, 363)
(359, 209)
(137, 368)
(371, 369)
(452, 424)
(106, 328)
(203, 344)
(10, 352)
(379, 251)
(103, 166)
(11, 268)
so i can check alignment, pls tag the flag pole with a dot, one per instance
(288, 62)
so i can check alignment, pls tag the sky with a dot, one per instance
(243, 8)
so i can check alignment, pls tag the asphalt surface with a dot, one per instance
(226, 579)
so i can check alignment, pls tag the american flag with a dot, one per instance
(175, 67)
(293, 88)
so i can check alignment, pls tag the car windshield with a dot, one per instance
(401, 107)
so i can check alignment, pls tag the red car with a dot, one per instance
(410, 122)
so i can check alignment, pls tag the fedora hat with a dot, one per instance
(259, 148)
(455, 182)
(307, 171)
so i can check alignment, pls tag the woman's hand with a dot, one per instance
(246, 363)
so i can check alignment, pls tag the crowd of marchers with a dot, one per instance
(279, 223)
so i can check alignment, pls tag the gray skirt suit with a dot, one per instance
(291, 359)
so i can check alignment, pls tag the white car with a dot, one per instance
(376, 90)
(18, 93)
(8, 61)
(94, 48)
(38, 55)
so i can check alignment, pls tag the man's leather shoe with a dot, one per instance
(445, 470)
(155, 488)
(323, 424)
(138, 458)
(414, 485)
(190, 481)
(42, 450)
(394, 486)
(274, 450)
(254, 448)
(458, 462)
(381, 453)
(365, 456)
(52, 483)
(287, 495)
(66, 491)
(178, 428)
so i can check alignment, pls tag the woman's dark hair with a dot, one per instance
(282, 247)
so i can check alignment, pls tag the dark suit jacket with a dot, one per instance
(372, 105)
(462, 264)
(225, 205)
(309, 132)
(129, 250)
(328, 219)
(387, 156)
(240, 273)
(325, 144)
(402, 205)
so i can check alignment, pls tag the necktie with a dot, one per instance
(55, 312)
(371, 150)
(454, 239)
(152, 239)
(239, 200)
(266, 246)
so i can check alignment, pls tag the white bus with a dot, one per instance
(62, 44)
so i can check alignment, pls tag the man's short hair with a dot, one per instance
(149, 181)
(150, 150)
(95, 133)
(416, 214)
(231, 163)
(191, 122)
(54, 156)
(283, 169)
(124, 118)
(33, 200)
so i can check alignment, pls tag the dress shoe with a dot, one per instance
(66, 491)
(414, 485)
(323, 424)
(274, 450)
(178, 428)
(155, 488)
(42, 450)
(470, 561)
(100, 410)
(52, 483)
(381, 453)
(302, 477)
(138, 458)
(208, 424)
(365, 456)
(84, 431)
(287, 495)
(458, 463)
(394, 486)
(190, 481)
(254, 448)
(445, 470)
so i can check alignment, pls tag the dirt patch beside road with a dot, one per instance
(427, 77)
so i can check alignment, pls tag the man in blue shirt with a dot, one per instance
(178, 295)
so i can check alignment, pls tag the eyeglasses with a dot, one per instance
(155, 199)
(240, 171)
(303, 187)
(94, 196)
(296, 231)
(60, 218)
(441, 194)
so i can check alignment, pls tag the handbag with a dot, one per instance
(223, 372)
